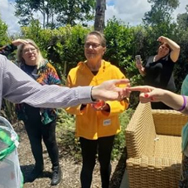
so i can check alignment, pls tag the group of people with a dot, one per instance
(35, 103)
(97, 92)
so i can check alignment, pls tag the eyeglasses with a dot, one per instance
(27, 50)
(93, 45)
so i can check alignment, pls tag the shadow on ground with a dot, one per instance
(27, 169)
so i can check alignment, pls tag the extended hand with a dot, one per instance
(148, 93)
(109, 90)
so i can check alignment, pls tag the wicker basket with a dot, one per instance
(153, 140)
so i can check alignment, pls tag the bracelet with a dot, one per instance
(184, 103)
(93, 100)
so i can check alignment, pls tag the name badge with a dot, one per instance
(106, 122)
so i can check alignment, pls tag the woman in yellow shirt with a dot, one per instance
(96, 125)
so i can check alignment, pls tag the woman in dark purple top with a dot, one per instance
(158, 71)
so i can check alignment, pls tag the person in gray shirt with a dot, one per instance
(17, 87)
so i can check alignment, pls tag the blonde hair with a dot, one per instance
(19, 54)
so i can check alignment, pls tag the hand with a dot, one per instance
(139, 66)
(138, 61)
(162, 39)
(18, 42)
(100, 106)
(148, 93)
(109, 90)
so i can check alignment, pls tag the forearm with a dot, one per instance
(173, 45)
(49, 96)
(175, 49)
(175, 101)
(57, 96)
(18, 87)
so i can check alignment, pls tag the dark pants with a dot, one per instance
(89, 150)
(36, 132)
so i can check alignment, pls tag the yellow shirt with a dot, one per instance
(92, 124)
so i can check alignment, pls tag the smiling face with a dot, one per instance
(163, 50)
(30, 54)
(93, 48)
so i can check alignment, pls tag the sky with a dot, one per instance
(129, 11)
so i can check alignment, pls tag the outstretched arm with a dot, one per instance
(18, 87)
(152, 94)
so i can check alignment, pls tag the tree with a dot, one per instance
(161, 11)
(25, 9)
(73, 11)
(55, 12)
(158, 21)
(100, 15)
(182, 19)
(3, 33)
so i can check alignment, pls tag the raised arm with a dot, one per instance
(174, 55)
(8, 49)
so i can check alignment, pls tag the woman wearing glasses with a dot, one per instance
(96, 123)
(158, 71)
(39, 123)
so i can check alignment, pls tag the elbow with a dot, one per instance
(178, 49)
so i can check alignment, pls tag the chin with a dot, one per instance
(32, 59)
(91, 56)
(165, 55)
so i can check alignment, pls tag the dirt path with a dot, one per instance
(70, 169)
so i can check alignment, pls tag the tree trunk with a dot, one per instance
(100, 15)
